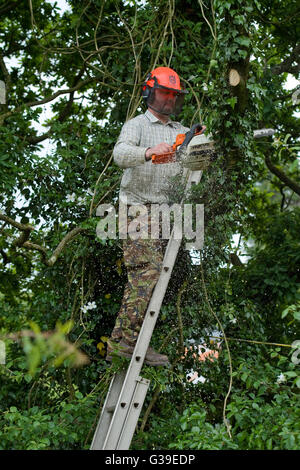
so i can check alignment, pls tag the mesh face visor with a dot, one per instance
(166, 100)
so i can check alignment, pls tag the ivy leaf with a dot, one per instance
(232, 101)
(243, 41)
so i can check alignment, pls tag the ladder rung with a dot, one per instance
(111, 409)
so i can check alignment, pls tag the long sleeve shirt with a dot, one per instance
(142, 181)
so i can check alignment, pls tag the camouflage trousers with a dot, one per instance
(143, 259)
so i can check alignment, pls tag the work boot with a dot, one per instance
(122, 349)
(153, 358)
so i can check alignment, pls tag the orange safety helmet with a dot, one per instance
(167, 79)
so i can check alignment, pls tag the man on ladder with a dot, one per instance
(144, 142)
(145, 183)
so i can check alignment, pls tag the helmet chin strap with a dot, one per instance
(160, 112)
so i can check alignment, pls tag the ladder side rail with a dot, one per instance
(133, 414)
(106, 413)
(139, 352)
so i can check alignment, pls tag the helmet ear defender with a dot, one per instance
(145, 91)
(145, 88)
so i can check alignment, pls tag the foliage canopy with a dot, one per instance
(61, 287)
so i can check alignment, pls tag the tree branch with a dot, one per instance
(5, 72)
(235, 260)
(286, 65)
(282, 176)
(16, 224)
(7, 7)
(67, 109)
(34, 246)
(65, 112)
(4, 256)
(38, 138)
(63, 243)
(283, 197)
(22, 241)
(287, 96)
(51, 97)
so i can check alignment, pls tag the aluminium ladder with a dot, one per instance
(128, 389)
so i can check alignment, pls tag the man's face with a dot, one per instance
(165, 100)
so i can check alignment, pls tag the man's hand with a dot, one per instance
(158, 149)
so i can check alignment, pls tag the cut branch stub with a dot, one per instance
(235, 78)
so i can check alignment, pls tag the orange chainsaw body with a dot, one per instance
(170, 157)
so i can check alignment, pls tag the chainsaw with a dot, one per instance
(193, 150)
(196, 151)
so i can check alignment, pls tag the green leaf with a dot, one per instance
(184, 425)
(244, 41)
(195, 429)
(232, 101)
(285, 312)
(290, 374)
(28, 378)
(244, 376)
